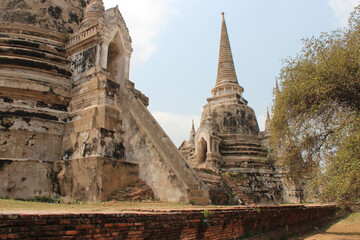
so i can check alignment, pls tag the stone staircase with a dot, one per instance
(196, 189)
(243, 192)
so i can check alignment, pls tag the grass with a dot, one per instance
(347, 228)
(10, 205)
(41, 205)
(349, 225)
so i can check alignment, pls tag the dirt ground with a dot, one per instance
(347, 228)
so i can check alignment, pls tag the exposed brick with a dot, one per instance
(108, 225)
(224, 223)
(71, 232)
(64, 221)
(96, 236)
(80, 227)
(120, 224)
(12, 236)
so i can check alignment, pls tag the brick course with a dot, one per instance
(225, 223)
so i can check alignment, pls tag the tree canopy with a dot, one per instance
(316, 120)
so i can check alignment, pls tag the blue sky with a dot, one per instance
(176, 44)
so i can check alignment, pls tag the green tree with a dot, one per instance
(316, 121)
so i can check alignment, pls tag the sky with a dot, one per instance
(176, 47)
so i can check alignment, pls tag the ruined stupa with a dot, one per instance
(72, 124)
(228, 139)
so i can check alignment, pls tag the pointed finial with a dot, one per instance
(192, 134)
(267, 121)
(93, 12)
(208, 115)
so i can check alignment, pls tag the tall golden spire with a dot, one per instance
(226, 75)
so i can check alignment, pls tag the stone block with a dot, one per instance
(25, 179)
(93, 178)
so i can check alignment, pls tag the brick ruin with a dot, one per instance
(240, 222)
(73, 125)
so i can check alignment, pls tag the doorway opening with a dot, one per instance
(115, 62)
(202, 150)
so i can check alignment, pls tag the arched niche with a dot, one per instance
(202, 150)
(115, 59)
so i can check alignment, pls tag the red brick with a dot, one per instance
(12, 236)
(120, 224)
(64, 221)
(108, 225)
(52, 228)
(96, 236)
(40, 222)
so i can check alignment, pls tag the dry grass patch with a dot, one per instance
(18, 206)
(347, 228)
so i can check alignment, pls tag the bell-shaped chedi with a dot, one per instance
(228, 136)
(227, 122)
(228, 139)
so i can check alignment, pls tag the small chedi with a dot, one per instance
(72, 124)
(228, 150)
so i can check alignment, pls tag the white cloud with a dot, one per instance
(145, 19)
(342, 9)
(261, 121)
(176, 126)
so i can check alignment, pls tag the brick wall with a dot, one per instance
(225, 223)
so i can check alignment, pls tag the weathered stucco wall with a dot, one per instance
(25, 179)
(22, 144)
(64, 96)
(152, 167)
(227, 223)
(60, 15)
(232, 118)
(93, 178)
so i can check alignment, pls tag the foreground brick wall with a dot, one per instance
(227, 223)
